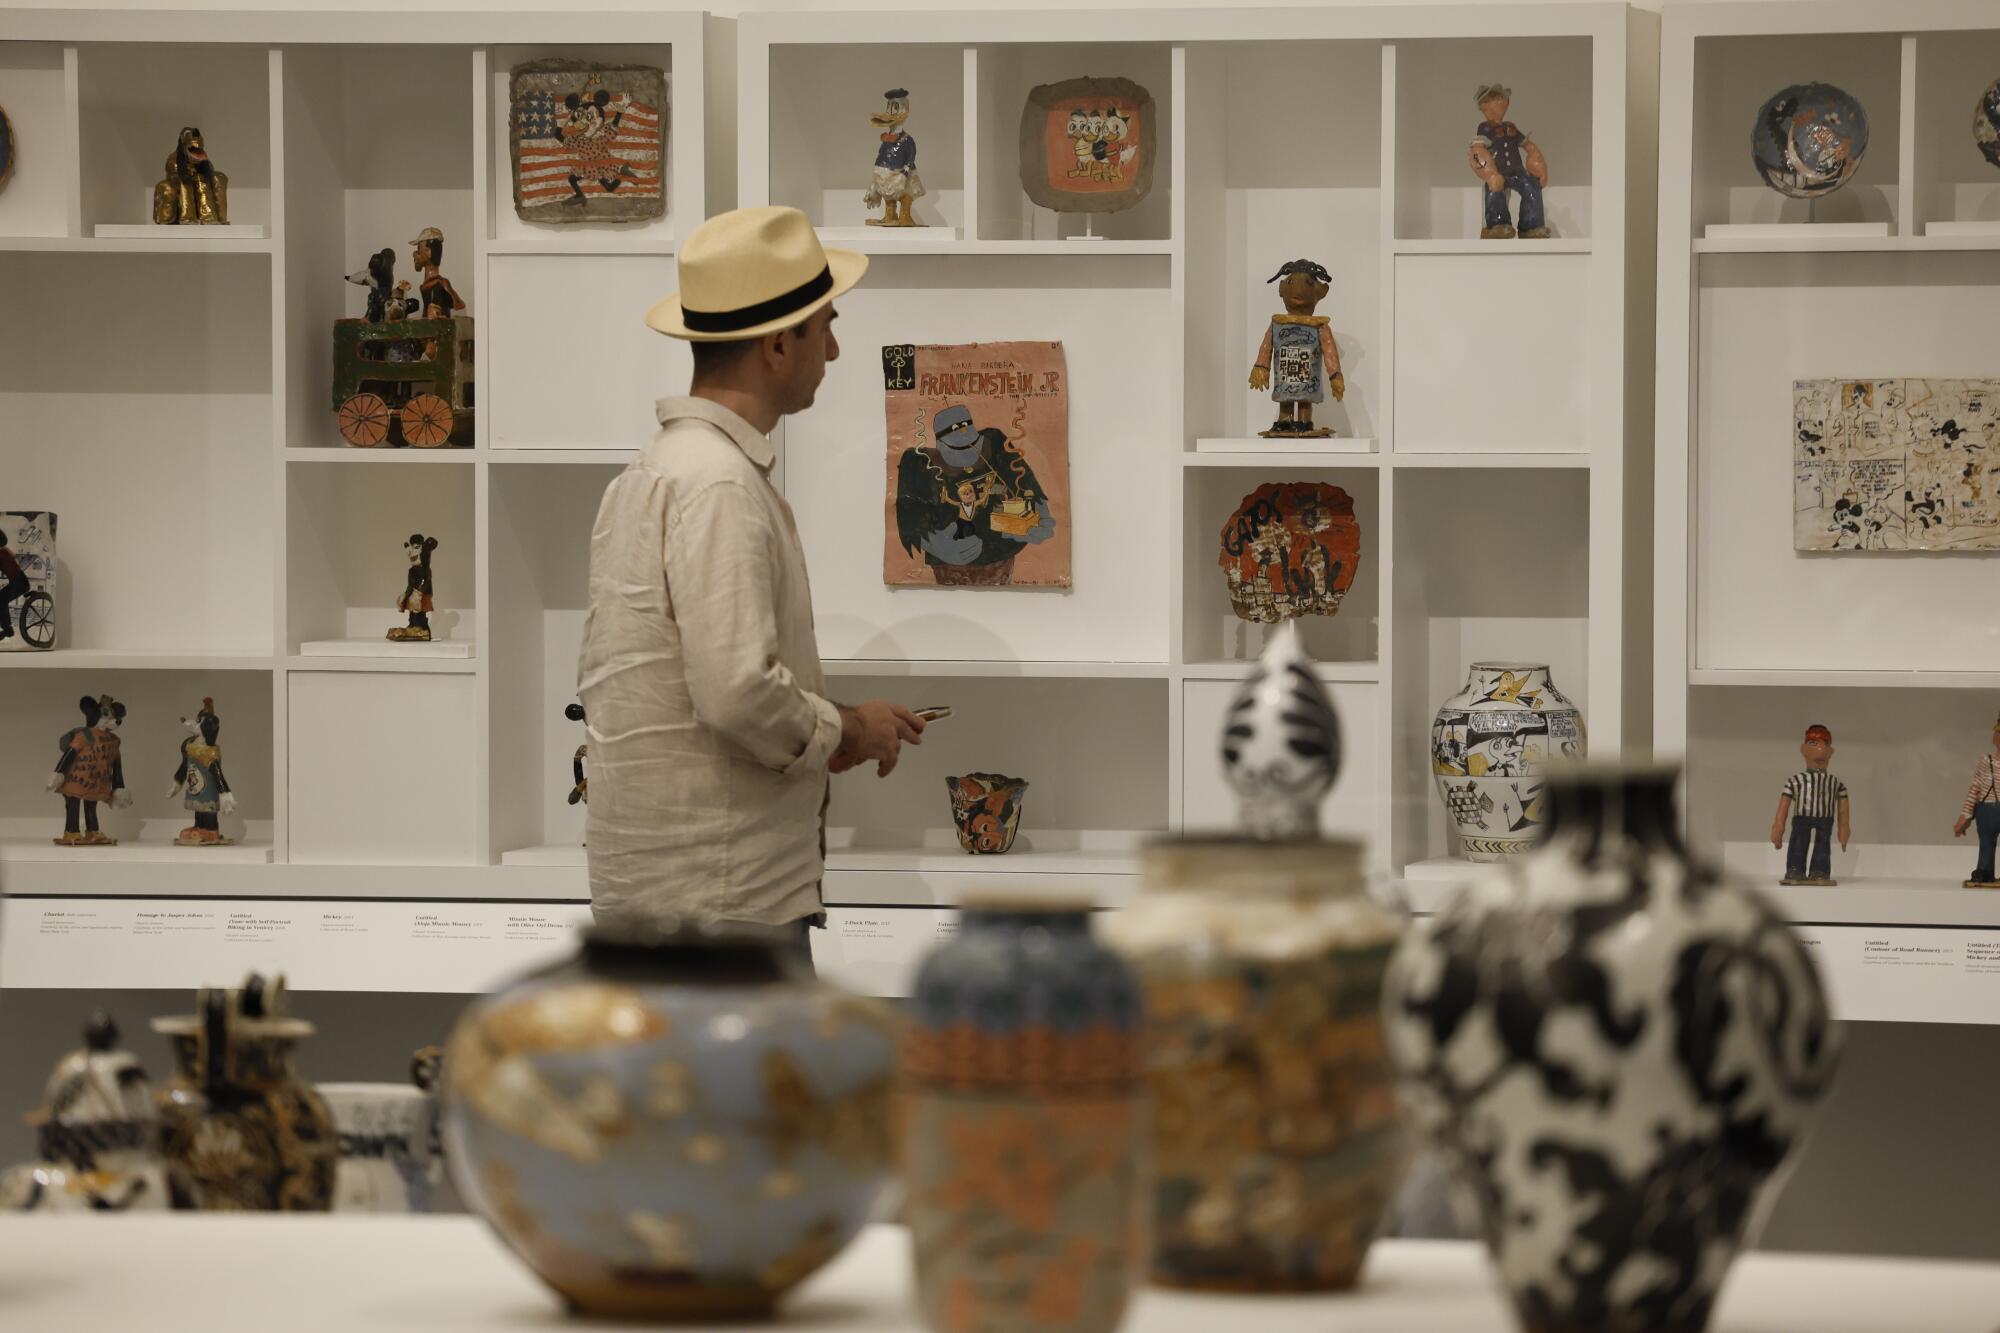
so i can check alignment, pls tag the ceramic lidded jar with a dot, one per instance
(986, 810)
(672, 1126)
(98, 1135)
(1618, 1047)
(240, 1130)
(1276, 1139)
(1025, 1129)
(1491, 744)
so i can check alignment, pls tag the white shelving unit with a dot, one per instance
(1754, 641)
(173, 404)
(1484, 436)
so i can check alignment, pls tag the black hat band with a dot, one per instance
(749, 316)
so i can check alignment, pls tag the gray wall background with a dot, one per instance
(1904, 1160)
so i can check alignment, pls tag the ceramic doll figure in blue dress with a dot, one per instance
(199, 781)
(1505, 158)
(895, 186)
(1298, 361)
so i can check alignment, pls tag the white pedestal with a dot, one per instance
(152, 231)
(442, 649)
(1750, 231)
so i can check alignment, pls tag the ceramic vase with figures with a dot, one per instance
(1619, 1047)
(27, 580)
(1022, 1087)
(1491, 745)
(241, 1131)
(672, 1126)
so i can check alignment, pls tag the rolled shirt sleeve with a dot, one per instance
(719, 559)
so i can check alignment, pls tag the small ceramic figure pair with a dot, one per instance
(91, 770)
(1815, 801)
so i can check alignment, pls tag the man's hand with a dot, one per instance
(877, 731)
(1957, 830)
(947, 549)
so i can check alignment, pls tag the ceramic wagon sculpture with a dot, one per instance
(403, 382)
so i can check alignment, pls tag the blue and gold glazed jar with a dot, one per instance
(682, 1126)
(1026, 1164)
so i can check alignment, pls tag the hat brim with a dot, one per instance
(846, 266)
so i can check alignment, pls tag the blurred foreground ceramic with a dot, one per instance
(1021, 1077)
(387, 1133)
(678, 1126)
(1619, 1047)
(97, 1135)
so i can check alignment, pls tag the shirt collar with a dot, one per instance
(756, 446)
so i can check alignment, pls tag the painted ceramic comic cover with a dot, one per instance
(30, 547)
(978, 465)
(1985, 124)
(1896, 465)
(1808, 140)
(1289, 550)
(1087, 145)
(589, 142)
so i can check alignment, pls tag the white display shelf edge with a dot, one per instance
(454, 651)
(1353, 673)
(328, 454)
(1880, 680)
(1045, 852)
(511, 454)
(1552, 458)
(181, 872)
(137, 245)
(130, 851)
(436, 666)
(1553, 245)
(118, 659)
(584, 243)
(1836, 243)
(1274, 454)
(1078, 248)
(891, 666)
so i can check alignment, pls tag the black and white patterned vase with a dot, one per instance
(1618, 1047)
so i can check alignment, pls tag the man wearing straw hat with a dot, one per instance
(710, 732)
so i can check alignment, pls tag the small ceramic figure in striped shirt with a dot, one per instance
(1816, 803)
(1982, 809)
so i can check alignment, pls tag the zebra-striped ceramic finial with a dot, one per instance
(1281, 742)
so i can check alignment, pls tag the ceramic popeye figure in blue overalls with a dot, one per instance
(1505, 158)
(896, 185)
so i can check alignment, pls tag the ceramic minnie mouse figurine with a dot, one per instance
(200, 776)
(580, 793)
(416, 598)
(90, 771)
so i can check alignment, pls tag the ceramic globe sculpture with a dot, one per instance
(1808, 140)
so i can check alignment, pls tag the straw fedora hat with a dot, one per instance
(752, 272)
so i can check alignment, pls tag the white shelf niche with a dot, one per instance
(154, 446)
(41, 188)
(1111, 317)
(378, 146)
(1528, 393)
(1093, 752)
(1956, 191)
(345, 565)
(1906, 756)
(1007, 72)
(822, 148)
(133, 100)
(541, 519)
(1257, 199)
(506, 226)
(38, 707)
(1927, 315)
(1734, 75)
(570, 362)
(1465, 593)
(1437, 196)
(1211, 630)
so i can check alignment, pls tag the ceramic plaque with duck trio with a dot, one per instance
(978, 465)
(1901, 464)
(1087, 145)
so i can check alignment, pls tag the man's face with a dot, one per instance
(1494, 108)
(420, 254)
(808, 346)
(1816, 751)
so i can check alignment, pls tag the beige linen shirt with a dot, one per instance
(700, 677)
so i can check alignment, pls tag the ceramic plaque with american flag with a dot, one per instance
(589, 142)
